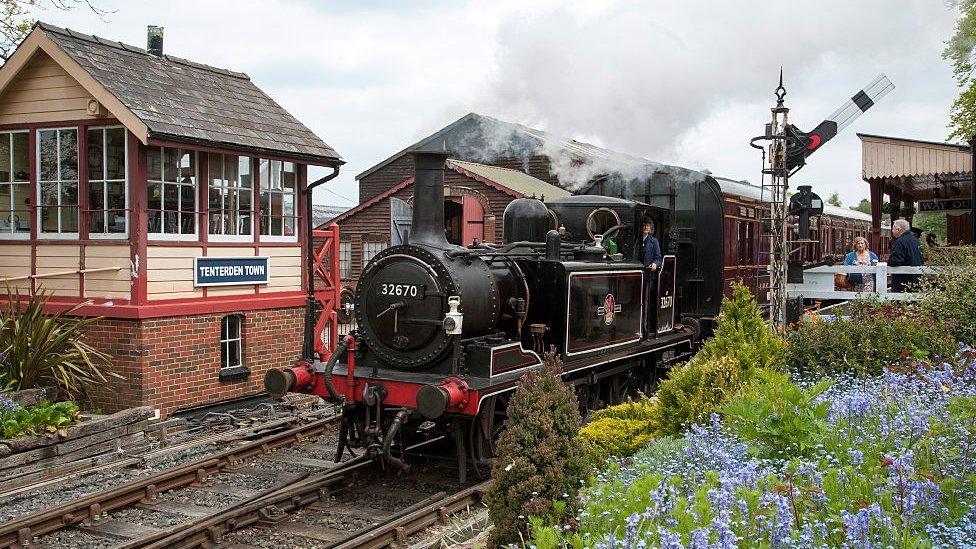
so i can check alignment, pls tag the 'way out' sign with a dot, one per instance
(229, 271)
(957, 205)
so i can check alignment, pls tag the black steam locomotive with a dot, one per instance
(445, 332)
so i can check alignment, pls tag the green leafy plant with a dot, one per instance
(44, 418)
(949, 296)
(619, 430)
(778, 418)
(876, 334)
(538, 461)
(44, 349)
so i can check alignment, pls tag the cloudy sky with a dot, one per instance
(684, 82)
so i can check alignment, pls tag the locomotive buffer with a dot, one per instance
(788, 150)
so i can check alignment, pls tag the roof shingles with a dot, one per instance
(182, 100)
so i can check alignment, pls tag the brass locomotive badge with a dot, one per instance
(609, 308)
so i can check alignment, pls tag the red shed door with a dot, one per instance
(473, 227)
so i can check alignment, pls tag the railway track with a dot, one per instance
(280, 488)
(87, 517)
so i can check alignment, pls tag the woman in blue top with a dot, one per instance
(861, 256)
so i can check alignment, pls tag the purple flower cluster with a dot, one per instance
(894, 469)
(7, 404)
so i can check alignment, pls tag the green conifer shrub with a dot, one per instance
(743, 334)
(539, 463)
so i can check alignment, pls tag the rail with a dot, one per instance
(818, 282)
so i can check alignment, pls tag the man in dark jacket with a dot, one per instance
(906, 251)
(649, 253)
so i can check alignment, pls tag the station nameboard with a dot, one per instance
(229, 271)
(960, 205)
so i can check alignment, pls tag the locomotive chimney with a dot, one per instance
(428, 199)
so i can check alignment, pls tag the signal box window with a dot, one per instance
(172, 193)
(15, 216)
(231, 190)
(232, 348)
(57, 158)
(107, 183)
(279, 191)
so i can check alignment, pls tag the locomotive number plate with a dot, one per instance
(402, 290)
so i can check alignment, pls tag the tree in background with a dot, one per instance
(960, 50)
(15, 23)
(864, 206)
(931, 222)
(834, 200)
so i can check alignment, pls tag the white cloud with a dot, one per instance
(677, 81)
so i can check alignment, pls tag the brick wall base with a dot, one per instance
(174, 363)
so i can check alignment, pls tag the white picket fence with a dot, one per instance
(818, 282)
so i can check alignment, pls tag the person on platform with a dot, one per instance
(861, 255)
(906, 251)
(649, 254)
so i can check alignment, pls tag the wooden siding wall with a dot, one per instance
(170, 271)
(43, 92)
(395, 172)
(108, 284)
(15, 260)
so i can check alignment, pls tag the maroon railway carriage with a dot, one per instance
(746, 246)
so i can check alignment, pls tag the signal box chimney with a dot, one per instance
(154, 40)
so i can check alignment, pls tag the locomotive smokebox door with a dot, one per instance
(665, 295)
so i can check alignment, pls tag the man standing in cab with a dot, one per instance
(649, 253)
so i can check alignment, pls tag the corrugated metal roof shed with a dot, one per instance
(512, 179)
(190, 102)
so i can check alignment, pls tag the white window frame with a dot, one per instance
(262, 189)
(345, 259)
(225, 343)
(220, 237)
(9, 234)
(39, 214)
(196, 196)
(104, 235)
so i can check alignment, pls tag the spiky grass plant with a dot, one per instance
(40, 349)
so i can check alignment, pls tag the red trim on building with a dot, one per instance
(125, 309)
(389, 192)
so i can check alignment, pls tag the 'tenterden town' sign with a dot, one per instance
(230, 271)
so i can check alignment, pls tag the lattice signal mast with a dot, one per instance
(787, 152)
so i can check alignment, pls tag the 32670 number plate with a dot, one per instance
(402, 290)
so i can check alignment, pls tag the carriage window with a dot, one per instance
(172, 179)
(107, 182)
(57, 156)
(15, 218)
(601, 220)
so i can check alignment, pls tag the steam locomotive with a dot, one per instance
(445, 331)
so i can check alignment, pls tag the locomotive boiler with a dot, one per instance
(446, 331)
